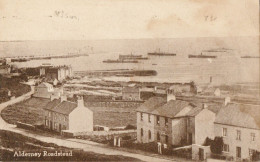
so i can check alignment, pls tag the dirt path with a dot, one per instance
(71, 143)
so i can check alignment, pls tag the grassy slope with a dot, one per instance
(10, 141)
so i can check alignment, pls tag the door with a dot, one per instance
(190, 138)
(59, 127)
(201, 154)
(51, 125)
(238, 152)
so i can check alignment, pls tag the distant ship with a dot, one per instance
(132, 57)
(202, 56)
(250, 56)
(120, 61)
(161, 53)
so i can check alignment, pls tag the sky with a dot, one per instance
(126, 19)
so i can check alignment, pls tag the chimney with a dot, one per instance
(155, 89)
(204, 106)
(53, 97)
(63, 98)
(80, 101)
(170, 95)
(227, 100)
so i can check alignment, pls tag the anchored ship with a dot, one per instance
(202, 56)
(161, 53)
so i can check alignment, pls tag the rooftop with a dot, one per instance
(172, 108)
(240, 115)
(64, 107)
(151, 104)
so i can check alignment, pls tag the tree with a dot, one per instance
(217, 145)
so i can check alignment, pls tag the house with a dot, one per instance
(173, 122)
(239, 125)
(43, 90)
(61, 114)
(131, 93)
(56, 72)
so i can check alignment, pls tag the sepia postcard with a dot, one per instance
(129, 80)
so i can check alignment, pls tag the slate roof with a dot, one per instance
(240, 115)
(65, 107)
(51, 105)
(171, 108)
(151, 104)
(195, 111)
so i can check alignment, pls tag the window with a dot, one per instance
(158, 136)
(224, 132)
(64, 118)
(142, 132)
(252, 136)
(238, 135)
(142, 116)
(149, 118)
(158, 120)
(226, 148)
(166, 139)
(149, 134)
(166, 121)
(251, 152)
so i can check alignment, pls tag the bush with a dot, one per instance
(129, 126)
(216, 145)
(207, 142)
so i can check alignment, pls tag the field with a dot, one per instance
(31, 110)
(14, 86)
(11, 142)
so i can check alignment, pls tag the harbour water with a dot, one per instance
(227, 68)
(180, 68)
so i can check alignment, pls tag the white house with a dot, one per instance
(239, 125)
(61, 114)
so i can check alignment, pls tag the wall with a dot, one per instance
(56, 118)
(204, 126)
(81, 119)
(163, 130)
(179, 131)
(195, 151)
(146, 126)
(131, 96)
(245, 143)
(191, 128)
(42, 92)
(120, 104)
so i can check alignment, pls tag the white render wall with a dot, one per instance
(81, 119)
(204, 126)
(245, 143)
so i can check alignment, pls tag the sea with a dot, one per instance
(227, 68)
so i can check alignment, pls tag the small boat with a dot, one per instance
(154, 64)
(202, 56)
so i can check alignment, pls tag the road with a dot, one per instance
(73, 143)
